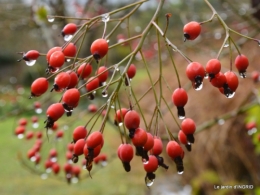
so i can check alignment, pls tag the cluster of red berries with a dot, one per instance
(139, 142)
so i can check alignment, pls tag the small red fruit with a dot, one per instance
(94, 139)
(131, 71)
(120, 115)
(39, 87)
(102, 70)
(188, 127)
(61, 81)
(54, 112)
(73, 79)
(30, 55)
(51, 51)
(241, 62)
(157, 147)
(79, 132)
(180, 99)
(99, 48)
(191, 30)
(218, 80)
(132, 120)
(70, 100)
(152, 164)
(140, 137)
(69, 29)
(57, 59)
(84, 70)
(92, 84)
(70, 50)
(195, 72)
(125, 153)
(213, 67)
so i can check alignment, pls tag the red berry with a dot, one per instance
(149, 142)
(31, 55)
(140, 137)
(51, 51)
(59, 134)
(23, 122)
(241, 63)
(195, 72)
(67, 168)
(29, 135)
(79, 132)
(102, 77)
(157, 147)
(94, 139)
(92, 108)
(61, 81)
(84, 70)
(99, 48)
(231, 84)
(131, 71)
(255, 76)
(55, 168)
(19, 130)
(191, 30)
(71, 98)
(188, 126)
(120, 115)
(213, 67)
(132, 120)
(70, 50)
(125, 152)
(76, 170)
(174, 150)
(73, 79)
(53, 153)
(57, 59)
(182, 137)
(70, 147)
(55, 111)
(179, 97)
(79, 147)
(39, 87)
(92, 84)
(152, 164)
(69, 29)
(218, 80)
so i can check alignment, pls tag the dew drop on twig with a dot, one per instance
(105, 17)
(50, 18)
(67, 37)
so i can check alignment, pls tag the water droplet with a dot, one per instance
(48, 170)
(33, 159)
(104, 93)
(198, 87)
(68, 60)
(35, 125)
(120, 124)
(94, 92)
(180, 172)
(231, 95)
(145, 162)
(117, 69)
(104, 163)
(252, 131)
(206, 76)
(20, 136)
(242, 75)
(221, 121)
(149, 182)
(181, 117)
(112, 106)
(67, 37)
(44, 176)
(74, 180)
(226, 45)
(30, 62)
(38, 110)
(105, 17)
(54, 159)
(50, 18)
(258, 43)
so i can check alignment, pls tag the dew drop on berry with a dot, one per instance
(35, 125)
(33, 159)
(145, 161)
(180, 172)
(149, 182)
(38, 110)
(48, 170)
(44, 176)
(231, 95)
(105, 17)
(20, 136)
(199, 87)
(120, 124)
(68, 60)
(74, 180)
(67, 37)
(181, 117)
(53, 159)
(50, 18)
(242, 75)
(104, 163)
(30, 62)
(206, 76)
